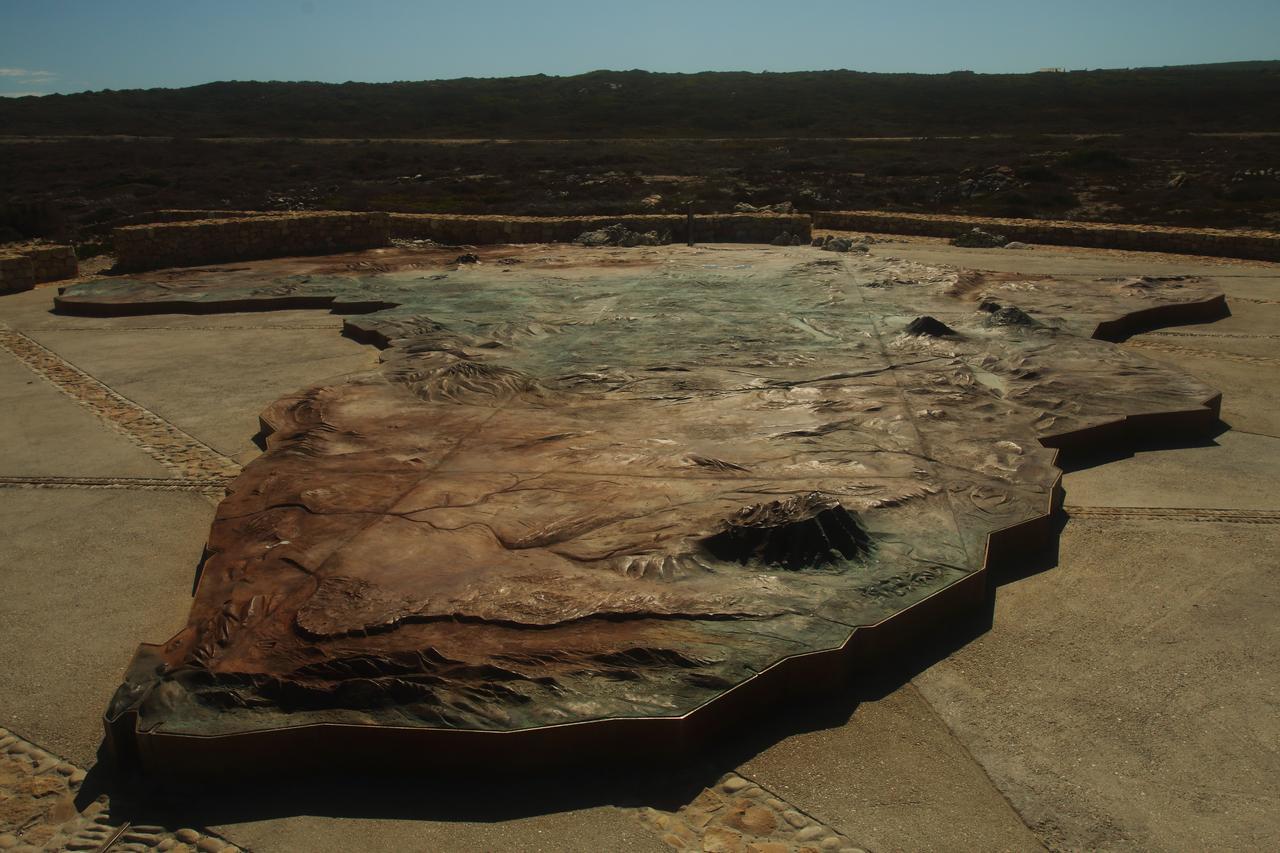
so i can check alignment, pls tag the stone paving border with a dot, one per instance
(476, 230)
(38, 811)
(738, 816)
(212, 487)
(176, 450)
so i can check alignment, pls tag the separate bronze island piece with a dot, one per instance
(612, 499)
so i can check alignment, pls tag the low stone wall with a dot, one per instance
(23, 265)
(211, 241)
(482, 230)
(1254, 245)
(53, 262)
(16, 273)
(153, 217)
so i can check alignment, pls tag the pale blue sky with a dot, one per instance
(64, 46)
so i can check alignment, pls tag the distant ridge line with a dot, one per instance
(640, 104)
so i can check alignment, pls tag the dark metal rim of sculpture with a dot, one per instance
(322, 745)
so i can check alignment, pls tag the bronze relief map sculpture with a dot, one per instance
(608, 498)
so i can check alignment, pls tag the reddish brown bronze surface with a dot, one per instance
(592, 486)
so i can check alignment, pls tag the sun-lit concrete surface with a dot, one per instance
(202, 380)
(46, 433)
(894, 777)
(87, 575)
(1124, 698)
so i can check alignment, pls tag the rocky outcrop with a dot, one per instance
(618, 234)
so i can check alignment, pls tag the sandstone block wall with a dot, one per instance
(1254, 245)
(16, 273)
(23, 265)
(152, 217)
(209, 241)
(481, 230)
(52, 262)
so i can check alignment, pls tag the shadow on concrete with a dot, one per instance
(1071, 461)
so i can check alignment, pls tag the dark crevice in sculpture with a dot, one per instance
(205, 554)
(804, 532)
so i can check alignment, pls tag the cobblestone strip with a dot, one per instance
(1203, 353)
(182, 453)
(738, 816)
(1232, 516)
(212, 486)
(38, 811)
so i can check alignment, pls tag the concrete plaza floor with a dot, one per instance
(1125, 696)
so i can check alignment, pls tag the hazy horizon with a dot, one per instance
(622, 71)
(75, 46)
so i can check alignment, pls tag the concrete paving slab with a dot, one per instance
(1251, 284)
(1247, 317)
(579, 831)
(1252, 330)
(1234, 471)
(1198, 341)
(1126, 699)
(87, 575)
(1047, 259)
(47, 434)
(893, 777)
(211, 383)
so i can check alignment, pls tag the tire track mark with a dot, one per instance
(1204, 514)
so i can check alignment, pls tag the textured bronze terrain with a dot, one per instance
(600, 485)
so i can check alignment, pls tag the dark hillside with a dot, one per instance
(1235, 97)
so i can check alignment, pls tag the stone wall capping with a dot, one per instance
(24, 265)
(478, 230)
(230, 238)
(1252, 244)
(186, 237)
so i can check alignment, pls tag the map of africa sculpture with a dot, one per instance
(595, 487)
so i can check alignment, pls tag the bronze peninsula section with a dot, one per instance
(615, 503)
